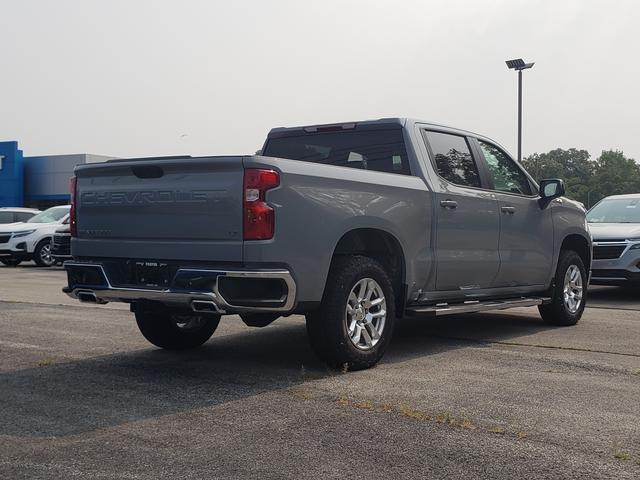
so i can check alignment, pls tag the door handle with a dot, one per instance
(509, 210)
(450, 204)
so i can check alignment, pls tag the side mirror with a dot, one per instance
(551, 188)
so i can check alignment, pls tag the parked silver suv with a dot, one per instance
(615, 227)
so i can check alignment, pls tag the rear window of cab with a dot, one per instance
(378, 150)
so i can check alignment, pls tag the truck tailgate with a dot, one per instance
(166, 209)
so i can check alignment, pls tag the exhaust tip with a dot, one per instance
(204, 306)
(87, 297)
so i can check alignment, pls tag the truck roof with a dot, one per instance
(380, 123)
(397, 121)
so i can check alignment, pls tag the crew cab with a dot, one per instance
(352, 225)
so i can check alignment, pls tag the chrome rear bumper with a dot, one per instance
(191, 288)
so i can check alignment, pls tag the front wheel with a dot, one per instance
(176, 332)
(569, 291)
(354, 324)
(42, 254)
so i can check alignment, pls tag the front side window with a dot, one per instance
(379, 150)
(453, 160)
(507, 176)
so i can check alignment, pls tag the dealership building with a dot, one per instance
(38, 182)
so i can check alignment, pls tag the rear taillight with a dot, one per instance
(73, 187)
(259, 217)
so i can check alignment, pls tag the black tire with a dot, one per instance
(327, 326)
(11, 262)
(557, 311)
(163, 330)
(42, 253)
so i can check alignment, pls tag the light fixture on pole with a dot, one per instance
(519, 65)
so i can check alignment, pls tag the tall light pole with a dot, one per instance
(519, 65)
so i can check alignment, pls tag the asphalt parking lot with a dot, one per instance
(493, 395)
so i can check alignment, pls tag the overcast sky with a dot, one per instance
(138, 78)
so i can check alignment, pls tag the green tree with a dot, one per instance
(587, 180)
(615, 174)
(574, 166)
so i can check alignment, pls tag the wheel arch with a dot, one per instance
(37, 241)
(382, 246)
(41, 243)
(580, 245)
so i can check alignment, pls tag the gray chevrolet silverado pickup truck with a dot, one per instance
(352, 225)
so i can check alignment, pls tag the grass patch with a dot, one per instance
(414, 414)
(443, 418)
(364, 405)
(618, 455)
(467, 425)
(45, 362)
(422, 416)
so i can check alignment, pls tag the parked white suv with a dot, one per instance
(31, 240)
(16, 214)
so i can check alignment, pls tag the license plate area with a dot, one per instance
(151, 274)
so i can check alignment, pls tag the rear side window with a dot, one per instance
(23, 216)
(379, 150)
(452, 158)
(6, 217)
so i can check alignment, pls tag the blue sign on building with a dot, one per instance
(11, 175)
(41, 181)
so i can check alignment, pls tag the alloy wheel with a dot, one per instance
(573, 289)
(45, 255)
(365, 314)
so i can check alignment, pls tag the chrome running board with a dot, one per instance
(473, 306)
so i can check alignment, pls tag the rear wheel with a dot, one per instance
(11, 262)
(569, 291)
(171, 331)
(42, 254)
(354, 324)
